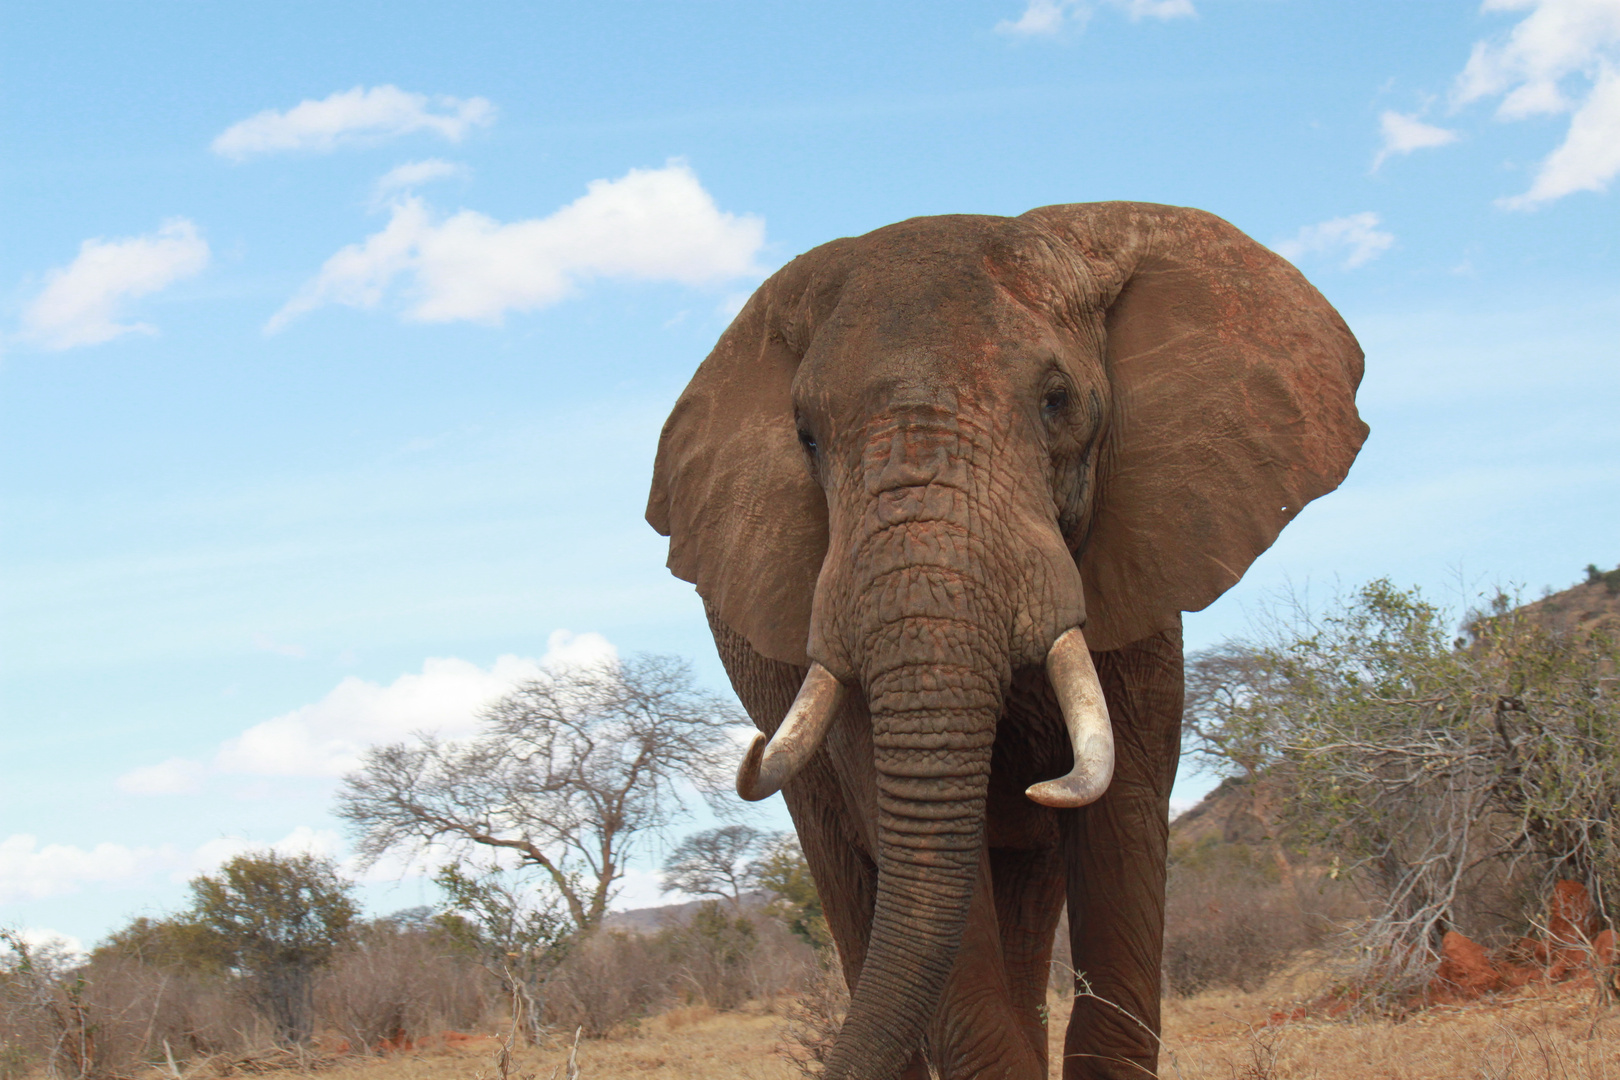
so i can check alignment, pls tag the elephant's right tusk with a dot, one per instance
(769, 765)
(1085, 714)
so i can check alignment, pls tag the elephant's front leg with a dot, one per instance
(992, 1018)
(987, 1028)
(1115, 850)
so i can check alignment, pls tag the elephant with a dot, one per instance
(945, 490)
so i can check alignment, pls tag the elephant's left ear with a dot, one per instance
(1234, 405)
(732, 488)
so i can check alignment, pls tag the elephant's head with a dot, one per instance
(921, 458)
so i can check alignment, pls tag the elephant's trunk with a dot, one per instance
(934, 706)
(930, 594)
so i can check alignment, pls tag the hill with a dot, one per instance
(1592, 605)
(650, 920)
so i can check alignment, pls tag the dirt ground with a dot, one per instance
(1556, 1033)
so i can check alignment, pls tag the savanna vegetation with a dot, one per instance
(1409, 869)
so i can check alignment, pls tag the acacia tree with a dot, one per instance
(717, 862)
(1421, 756)
(729, 861)
(570, 773)
(277, 919)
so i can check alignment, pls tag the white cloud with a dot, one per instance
(82, 301)
(31, 872)
(413, 174)
(1357, 237)
(643, 888)
(1048, 17)
(565, 649)
(1589, 156)
(328, 737)
(350, 117)
(176, 776)
(41, 940)
(1041, 17)
(1563, 57)
(649, 225)
(1404, 134)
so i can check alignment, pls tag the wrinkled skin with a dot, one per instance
(917, 458)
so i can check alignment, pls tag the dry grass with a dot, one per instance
(1544, 1033)
(690, 1042)
(1552, 1033)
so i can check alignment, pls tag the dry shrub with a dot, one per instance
(118, 1014)
(114, 1016)
(146, 1014)
(716, 958)
(1551, 1033)
(782, 963)
(713, 954)
(23, 1022)
(610, 980)
(1232, 919)
(400, 983)
(811, 1022)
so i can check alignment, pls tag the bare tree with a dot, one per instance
(42, 1008)
(1229, 723)
(570, 773)
(717, 862)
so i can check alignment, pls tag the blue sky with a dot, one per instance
(335, 339)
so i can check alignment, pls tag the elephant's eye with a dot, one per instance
(1055, 401)
(808, 440)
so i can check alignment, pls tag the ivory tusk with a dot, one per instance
(770, 764)
(1085, 714)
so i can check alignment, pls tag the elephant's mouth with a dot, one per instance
(770, 764)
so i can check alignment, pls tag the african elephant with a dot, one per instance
(945, 490)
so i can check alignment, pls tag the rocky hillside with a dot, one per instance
(650, 920)
(1594, 604)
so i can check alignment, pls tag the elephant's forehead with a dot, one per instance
(947, 263)
(944, 282)
(933, 309)
(919, 322)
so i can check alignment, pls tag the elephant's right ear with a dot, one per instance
(732, 488)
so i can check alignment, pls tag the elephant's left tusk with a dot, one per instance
(1085, 714)
(769, 765)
